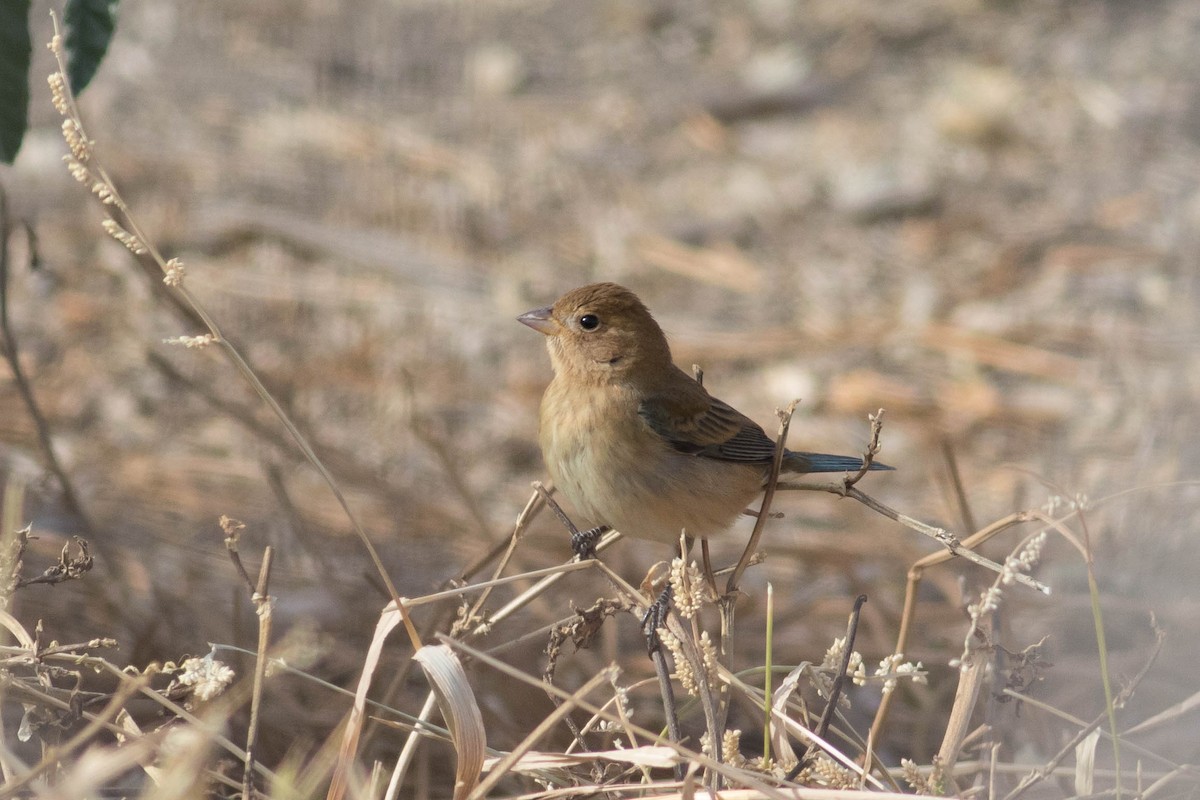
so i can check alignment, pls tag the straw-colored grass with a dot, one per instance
(1039, 647)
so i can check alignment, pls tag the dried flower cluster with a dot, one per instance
(689, 590)
(731, 747)
(890, 670)
(131, 242)
(1023, 560)
(932, 784)
(81, 164)
(824, 771)
(683, 666)
(192, 342)
(207, 677)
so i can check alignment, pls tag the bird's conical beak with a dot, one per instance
(540, 320)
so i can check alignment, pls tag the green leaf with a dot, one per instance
(15, 49)
(89, 25)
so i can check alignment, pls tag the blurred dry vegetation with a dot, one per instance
(980, 216)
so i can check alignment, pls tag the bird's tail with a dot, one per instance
(823, 462)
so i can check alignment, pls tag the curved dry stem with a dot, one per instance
(123, 226)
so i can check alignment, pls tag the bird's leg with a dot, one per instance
(583, 543)
(655, 618)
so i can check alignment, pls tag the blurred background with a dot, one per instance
(980, 216)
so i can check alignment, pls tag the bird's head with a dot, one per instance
(600, 333)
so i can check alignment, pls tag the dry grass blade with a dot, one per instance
(798, 730)
(1167, 715)
(1085, 764)
(501, 768)
(781, 743)
(13, 626)
(409, 750)
(457, 702)
(388, 621)
(783, 793)
(645, 756)
(972, 676)
(733, 776)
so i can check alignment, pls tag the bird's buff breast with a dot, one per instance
(615, 471)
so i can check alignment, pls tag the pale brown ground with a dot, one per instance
(981, 217)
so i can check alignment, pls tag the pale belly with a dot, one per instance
(636, 483)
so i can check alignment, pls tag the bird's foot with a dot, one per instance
(655, 618)
(583, 543)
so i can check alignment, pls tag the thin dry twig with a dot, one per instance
(735, 776)
(846, 488)
(504, 551)
(232, 528)
(835, 692)
(122, 226)
(915, 573)
(564, 707)
(69, 567)
(764, 508)
(264, 607)
(580, 629)
(869, 452)
(947, 539)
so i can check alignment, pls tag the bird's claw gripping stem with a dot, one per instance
(583, 543)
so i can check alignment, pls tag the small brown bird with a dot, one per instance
(635, 443)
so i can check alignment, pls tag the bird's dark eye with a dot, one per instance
(589, 322)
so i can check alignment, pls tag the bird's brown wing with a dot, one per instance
(698, 424)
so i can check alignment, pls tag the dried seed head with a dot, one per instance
(893, 667)
(688, 588)
(192, 342)
(207, 677)
(683, 668)
(78, 171)
(131, 242)
(824, 771)
(58, 93)
(708, 654)
(174, 272)
(104, 192)
(79, 144)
